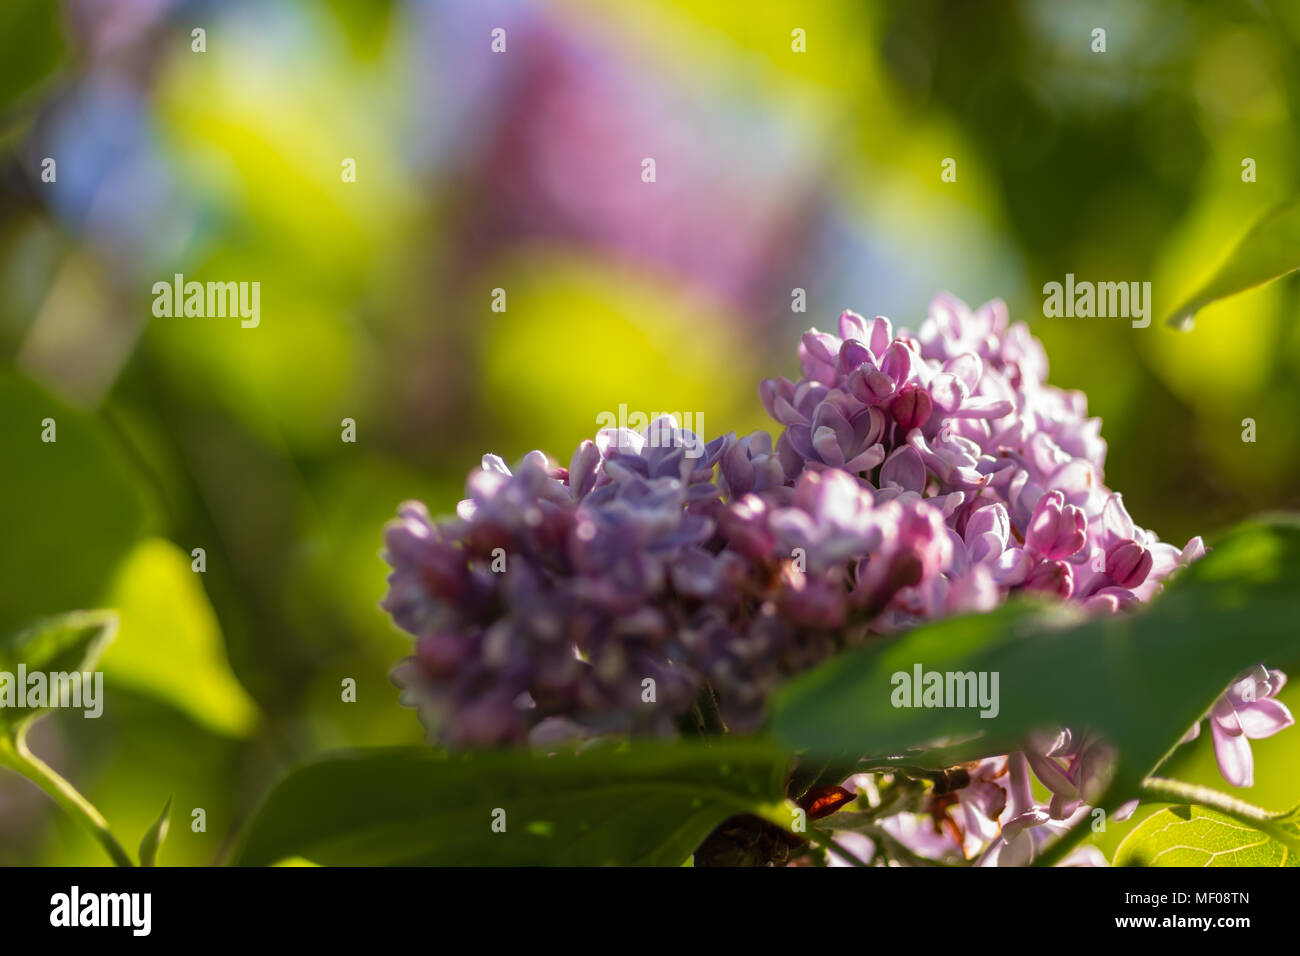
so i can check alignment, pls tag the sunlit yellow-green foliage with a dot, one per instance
(376, 304)
(171, 644)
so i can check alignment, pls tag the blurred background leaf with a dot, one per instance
(70, 508)
(1269, 250)
(32, 46)
(171, 644)
(153, 838)
(63, 644)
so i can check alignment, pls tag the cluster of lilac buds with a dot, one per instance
(961, 416)
(661, 584)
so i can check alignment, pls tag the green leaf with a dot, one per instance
(1284, 826)
(61, 645)
(649, 805)
(1268, 251)
(1141, 679)
(154, 836)
(1196, 836)
(68, 508)
(171, 646)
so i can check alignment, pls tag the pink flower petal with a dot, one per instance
(1264, 718)
(1233, 754)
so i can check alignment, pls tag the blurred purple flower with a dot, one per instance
(550, 143)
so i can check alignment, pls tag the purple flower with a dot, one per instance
(1056, 530)
(749, 464)
(1051, 577)
(1128, 564)
(547, 595)
(961, 415)
(916, 477)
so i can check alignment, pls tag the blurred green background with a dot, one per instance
(521, 171)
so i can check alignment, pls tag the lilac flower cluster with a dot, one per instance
(648, 585)
(961, 417)
(556, 594)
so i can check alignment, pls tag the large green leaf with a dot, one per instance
(1141, 679)
(650, 805)
(69, 643)
(1196, 836)
(69, 510)
(1269, 250)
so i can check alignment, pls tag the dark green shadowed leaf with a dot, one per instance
(154, 836)
(649, 805)
(1141, 679)
(1270, 250)
(70, 507)
(66, 644)
(1196, 836)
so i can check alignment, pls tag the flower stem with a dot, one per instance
(828, 842)
(894, 849)
(712, 719)
(15, 755)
